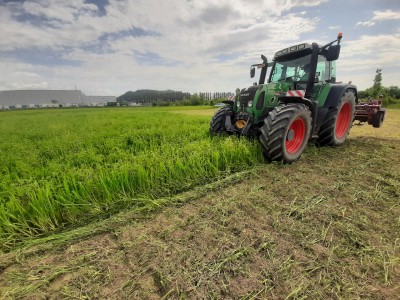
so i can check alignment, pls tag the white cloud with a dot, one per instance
(59, 10)
(26, 74)
(72, 23)
(366, 23)
(386, 15)
(188, 36)
(383, 47)
(170, 44)
(380, 16)
(360, 58)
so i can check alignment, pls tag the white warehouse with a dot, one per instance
(50, 98)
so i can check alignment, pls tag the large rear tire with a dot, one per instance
(378, 119)
(217, 124)
(338, 121)
(285, 132)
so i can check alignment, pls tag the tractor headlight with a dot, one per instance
(250, 103)
(238, 103)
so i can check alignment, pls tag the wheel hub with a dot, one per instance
(295, 135)
(290, 135)
(240, 124)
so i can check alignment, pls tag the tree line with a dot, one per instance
(169, 96)
(390, 95)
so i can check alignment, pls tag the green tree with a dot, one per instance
(377, 87)
(390, 94)
(394, 91)
(195, 100)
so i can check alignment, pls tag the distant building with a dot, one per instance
(50, 98)
(94, 100)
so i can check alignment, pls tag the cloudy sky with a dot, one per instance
(107, 47)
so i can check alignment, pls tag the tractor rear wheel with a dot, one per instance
(338, 121)
(217, 124)
(285, 132)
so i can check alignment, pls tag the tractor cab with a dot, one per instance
(297, 72)
(302, 67)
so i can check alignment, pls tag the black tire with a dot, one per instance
(217, 124)
(338, 121)
(378, 119)
(285, 132)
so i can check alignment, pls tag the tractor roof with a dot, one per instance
(293, 52)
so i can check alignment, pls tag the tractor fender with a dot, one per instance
(335, 93)
(228, 102)
(302, 100)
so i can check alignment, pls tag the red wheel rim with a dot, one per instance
(343, 120)
(295, 136)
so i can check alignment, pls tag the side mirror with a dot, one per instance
(252, 71)
(332, 53)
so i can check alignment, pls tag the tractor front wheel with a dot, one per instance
(378, 119)
(285, 132)
(338, 121)
(217, 124)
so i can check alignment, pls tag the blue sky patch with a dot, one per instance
(101, 6)
(134, 32)
(43, 57)
(227, 56)
(149, 58)
(38, 21)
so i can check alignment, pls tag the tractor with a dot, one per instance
(301, 101)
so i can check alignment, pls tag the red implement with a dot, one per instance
(371, 112)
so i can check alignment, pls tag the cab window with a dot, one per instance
(323, 72)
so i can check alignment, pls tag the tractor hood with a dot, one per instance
(246, 96)
(248, 93)
(275, 90)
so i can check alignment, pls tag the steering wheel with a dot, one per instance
(296, 77)
(291, 78)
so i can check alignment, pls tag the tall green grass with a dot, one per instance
(61, 167)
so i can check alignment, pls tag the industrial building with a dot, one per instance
(15, 99)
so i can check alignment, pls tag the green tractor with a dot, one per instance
(300, 102)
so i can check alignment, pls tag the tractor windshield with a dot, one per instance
(291, 70)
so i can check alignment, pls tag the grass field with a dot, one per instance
(325, 227)
(60, 167)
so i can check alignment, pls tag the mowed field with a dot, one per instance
(132, 203)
